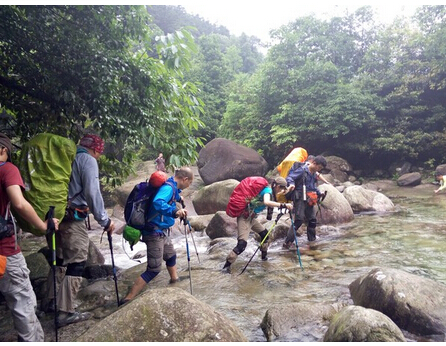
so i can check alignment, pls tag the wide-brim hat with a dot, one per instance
(280, 181)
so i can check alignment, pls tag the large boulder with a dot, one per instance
(295, 320)
(338, 168)
(222, 159)
(358, 324)
(199, 222)
(414, 303)
(214, 197)
(335, 209)
(164, 315)
(222, 225)
(409, 179)
(361, 199)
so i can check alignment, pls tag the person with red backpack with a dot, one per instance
(247, 218)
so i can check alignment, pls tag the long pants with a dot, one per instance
(244, 227)
(72, 250)
(21, 299)
(302, 211)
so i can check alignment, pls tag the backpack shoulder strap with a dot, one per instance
(170, 201)
(173, 190)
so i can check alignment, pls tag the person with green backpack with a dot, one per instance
(15, 284)
(72, 240)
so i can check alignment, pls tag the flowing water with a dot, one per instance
(413, 238)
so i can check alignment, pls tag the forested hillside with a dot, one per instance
(161, 79)
(347, 86)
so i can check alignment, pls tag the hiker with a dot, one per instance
(72, 241)
(318, 174)
(15, 284)
(163, 211)
(441, 178)
(266, 198)
(160, 166)
(304, 208)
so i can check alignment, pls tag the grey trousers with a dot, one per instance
(21, 299)
(72, 246)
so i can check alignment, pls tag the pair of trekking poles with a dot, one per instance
(51, 233)
(266, 237)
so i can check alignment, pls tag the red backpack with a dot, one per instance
(242, 195)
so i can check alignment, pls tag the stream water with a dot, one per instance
(413, 238)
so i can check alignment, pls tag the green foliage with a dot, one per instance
(101, 69)
(349, 87)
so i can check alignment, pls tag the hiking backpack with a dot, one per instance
(45, 165)
(138, 204)
(243, 194)
(296, 155)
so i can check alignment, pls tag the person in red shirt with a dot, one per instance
(15, 284)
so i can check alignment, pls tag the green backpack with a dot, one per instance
(132, 235)
(45, 165)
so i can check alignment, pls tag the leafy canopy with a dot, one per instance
(75, 69)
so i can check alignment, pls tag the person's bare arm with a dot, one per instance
(25, 210)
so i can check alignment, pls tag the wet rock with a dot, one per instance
(164, 315)
(361, 199)
(409, 179)
(335, 208)
(358, 324)
(282, 319)
(222, 225)
(414, 303)
(200, 222)
(214, 197)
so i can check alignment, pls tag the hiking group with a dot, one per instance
(150, 211)
(297, 193)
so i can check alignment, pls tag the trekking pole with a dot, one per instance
(263, 240)
(113, 265)
(51, 231)
(192, 236)
(188, 256)
(319, 201)
(295, 240)
(190, 231)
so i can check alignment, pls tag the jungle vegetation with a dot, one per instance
(156, 78)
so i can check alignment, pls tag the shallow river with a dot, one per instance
(412, 238)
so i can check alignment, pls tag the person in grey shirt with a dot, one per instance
(72, 241)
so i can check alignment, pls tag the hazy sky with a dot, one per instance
(259, 17)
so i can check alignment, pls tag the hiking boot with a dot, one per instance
(226, 268)
(47, 307)
(264, 255)
(289, 246)
(73, 318)
(123, 301)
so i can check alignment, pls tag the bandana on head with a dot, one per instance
(92, 142)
